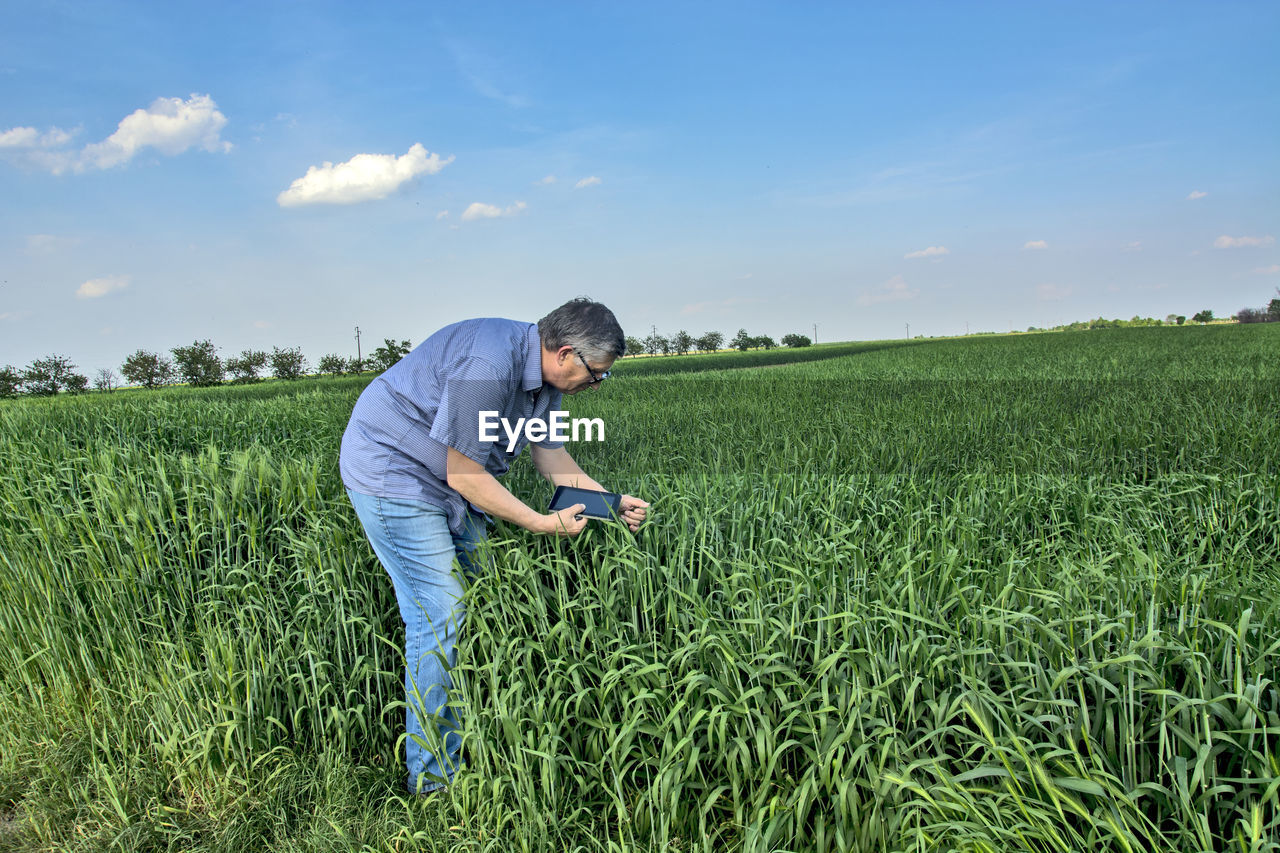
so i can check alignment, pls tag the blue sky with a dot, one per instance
(276, 174)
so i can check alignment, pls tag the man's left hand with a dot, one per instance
(633, 512)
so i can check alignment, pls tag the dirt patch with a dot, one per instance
(9, 827)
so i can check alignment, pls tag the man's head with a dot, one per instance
(580, 341)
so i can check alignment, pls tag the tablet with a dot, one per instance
(599, 504)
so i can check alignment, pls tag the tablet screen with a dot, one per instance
(599, 504)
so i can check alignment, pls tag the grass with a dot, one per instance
(979, 594)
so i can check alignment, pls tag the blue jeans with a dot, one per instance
(414, 544)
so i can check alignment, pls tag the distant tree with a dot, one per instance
(635, 346)
(1252, 315)
(355, 366)
(288, 363)
(389, 353)
(77, 383)
(106, 380)
(742, 341)
(148, 369)
(1273, 308)
(1171, 320)
(794, 340)
(1181, 318)
(657, 344)
(198, 364)
(10, 381)
(764, 341)
(710, 342)
(45, 377)
(681, 342)
(245, 367)
(1202, 316)
(332, 364)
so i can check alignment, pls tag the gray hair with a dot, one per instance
(588, 327)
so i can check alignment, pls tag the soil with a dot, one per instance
(9, 827)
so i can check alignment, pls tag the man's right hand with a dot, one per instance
(566, 522)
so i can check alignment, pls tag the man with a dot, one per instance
(422, 479)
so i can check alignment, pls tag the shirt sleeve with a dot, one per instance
(476, 387)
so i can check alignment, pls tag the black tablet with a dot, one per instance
(599, 504)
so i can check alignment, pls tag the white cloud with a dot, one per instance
(261, 324)
(170, 126)
(1052, 292)
(480, 210)
(1225, 242)
(1271, 270)
(932, 251)
(1195, 194)
(444, 214)
(547, 181)
(895, 289)
(29, 137)
(587, 182)
(1035, 244)
(96, 287)
(365, 177)
(29, 147)
(1135, 246)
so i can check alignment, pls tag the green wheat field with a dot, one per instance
(981, 594)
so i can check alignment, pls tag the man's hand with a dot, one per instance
(633, 512)
(566, 522)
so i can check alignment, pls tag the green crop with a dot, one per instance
(982, 594)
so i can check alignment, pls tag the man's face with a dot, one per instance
(581, 374)
(568, 372)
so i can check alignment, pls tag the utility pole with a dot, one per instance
(815, 333)
(359, 357)
(966, 328)
(908, 331)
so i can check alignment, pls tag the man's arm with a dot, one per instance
(469, 479)
(560, 468)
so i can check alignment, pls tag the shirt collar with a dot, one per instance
(532, 360)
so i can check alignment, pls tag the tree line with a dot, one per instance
(683, 343)
(1270, 313)
(197, 365)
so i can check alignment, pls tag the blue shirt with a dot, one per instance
(397, 440)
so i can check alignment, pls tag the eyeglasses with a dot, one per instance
(595, 380)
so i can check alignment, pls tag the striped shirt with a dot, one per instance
(396, 442)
